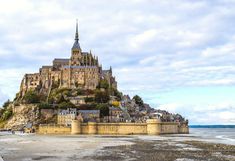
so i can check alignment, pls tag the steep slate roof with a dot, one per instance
(76, 44)
(79, 67)
(60, 60)
(85, 53)
(105, 71)
(89, 111)
(46, 66)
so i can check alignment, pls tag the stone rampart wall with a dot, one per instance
(152, 127)
(53, 129)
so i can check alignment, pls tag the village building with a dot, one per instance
(65, 116)
(115, 115)
(90, 115)
(80, 100)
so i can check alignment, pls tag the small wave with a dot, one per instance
(184, 159)
(230, 139)
(220, 136)
(224, 137)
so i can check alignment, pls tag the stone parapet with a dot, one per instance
(151, 127)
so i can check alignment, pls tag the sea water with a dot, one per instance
(218, 135)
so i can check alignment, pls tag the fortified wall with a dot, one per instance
(151, 127)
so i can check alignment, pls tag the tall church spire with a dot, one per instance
(76, 34)
(76, 45)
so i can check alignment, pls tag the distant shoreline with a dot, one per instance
(211, 126)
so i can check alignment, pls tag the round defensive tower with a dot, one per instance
(92, 128)
(153, 126)
(76, 127)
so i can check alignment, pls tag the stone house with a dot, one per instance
(65, 117)
(115, 115)
(90, 115)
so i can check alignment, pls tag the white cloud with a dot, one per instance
(214, 82)
(223, 50)
(10, 80)
(171, 107)
(139, 41)
(223, 113)
(148, 60)
(152, 45)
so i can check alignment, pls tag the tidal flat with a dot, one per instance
(112, 148)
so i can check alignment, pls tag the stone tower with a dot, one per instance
(76, 51)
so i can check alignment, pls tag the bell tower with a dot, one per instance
(76, 54)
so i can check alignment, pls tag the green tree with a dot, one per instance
(1, 112)
(79, 92)
(60, 98)
(7, 114)
(103, 84)
(58, 95)
(101, 96)
(89, 99)
(31, 97)
(104, 109)
(65, 105)
(6, 104)
(117, 94)
(44, 105)
(138, 100)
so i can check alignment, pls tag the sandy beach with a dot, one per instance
(113, 148)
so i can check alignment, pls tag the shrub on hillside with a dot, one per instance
(104, 109)
(79, 92)
(89, 99)
(6, 104)
(117, 94)
(101, 96)
(44, 105)
(103, 84)
(31, 97)
(116, 103)
(6, 114)
(138, 100)
(65, 105)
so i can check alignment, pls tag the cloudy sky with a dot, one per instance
(178, 55)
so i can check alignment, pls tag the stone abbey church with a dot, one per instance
(82, 70)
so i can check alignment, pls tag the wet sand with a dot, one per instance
(112, 148)
(168, 151)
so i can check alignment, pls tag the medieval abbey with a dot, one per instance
(82, 70)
